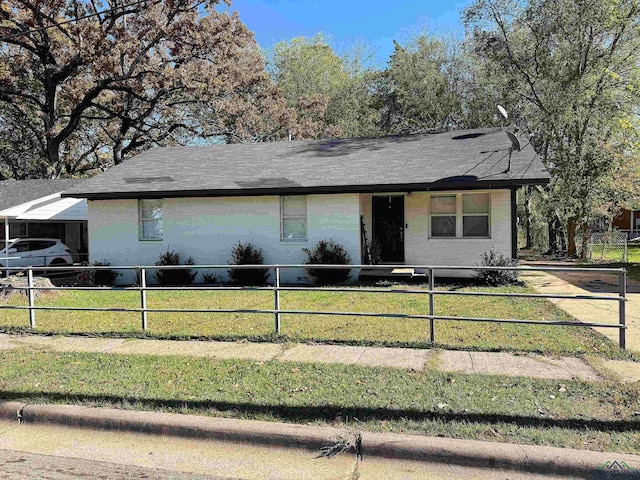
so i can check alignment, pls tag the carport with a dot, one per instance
(35, 209)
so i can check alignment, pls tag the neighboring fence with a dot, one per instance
(277, 312)
(608, 246)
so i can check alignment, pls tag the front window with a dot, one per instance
(475, 214)
(150, 227)
(293, 210)
(461, 215)
(443, 216)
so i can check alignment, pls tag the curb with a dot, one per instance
(474, 453)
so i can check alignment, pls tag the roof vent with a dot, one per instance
(271, 182)
(148, 179)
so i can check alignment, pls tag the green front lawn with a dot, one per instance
(587, 415)
(616, 253)
(344, 329)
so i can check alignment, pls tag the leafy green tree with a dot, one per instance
(416, 94)
(432, 84)
(574, 68)
(330, 93)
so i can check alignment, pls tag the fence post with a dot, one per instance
(142, 272)
(622, 309)
(625, 257)
(432, 323)
(30, 296)
(276, 293)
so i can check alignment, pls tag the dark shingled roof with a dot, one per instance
(17, 192)
(459, 159)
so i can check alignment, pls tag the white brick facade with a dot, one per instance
(207, 229)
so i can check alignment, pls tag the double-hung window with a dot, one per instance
(293, 211)
(443, 216)
(475, 214)
(150, 219)
(463, 215)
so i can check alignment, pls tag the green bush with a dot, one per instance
(497, 277)
(210, 278)
(177, 277)
(247, 254)
(103, 278)
(327, 253)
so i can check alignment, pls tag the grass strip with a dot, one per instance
(320, 328)
(597, 416)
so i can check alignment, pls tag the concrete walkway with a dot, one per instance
(498, 363)
(597, 311)
(586, 283)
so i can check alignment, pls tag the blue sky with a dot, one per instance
(349, 21)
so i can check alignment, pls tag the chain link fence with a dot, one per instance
(608, 247)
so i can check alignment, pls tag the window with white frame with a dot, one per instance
(461, 215)
(475, 214)
(150, 219)
(443, 216)
(293, 211)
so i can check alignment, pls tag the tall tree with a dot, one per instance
(432, 85)
(574, 65)
(416, 94)
(83, 76)
(311, 74)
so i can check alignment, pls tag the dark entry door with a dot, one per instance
(388, 227)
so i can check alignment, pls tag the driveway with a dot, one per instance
(593, 311)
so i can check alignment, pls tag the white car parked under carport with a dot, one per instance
(35, 252)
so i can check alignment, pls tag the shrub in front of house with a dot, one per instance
(103, 277)
(210, 278)
(496, 277)
(247, 254)
(327, 252)
(174, 277)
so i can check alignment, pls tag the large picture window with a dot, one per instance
(150, 218)
(461, 215)
(293, 211)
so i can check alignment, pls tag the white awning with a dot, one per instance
(61, 209)
(16, 210)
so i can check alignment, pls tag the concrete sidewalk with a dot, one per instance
(498, 363)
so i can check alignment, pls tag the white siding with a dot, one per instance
(207, 229)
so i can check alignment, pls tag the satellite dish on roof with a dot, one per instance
(515, 145)
(503, 112)
(514, 141)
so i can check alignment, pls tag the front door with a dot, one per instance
(388, 227)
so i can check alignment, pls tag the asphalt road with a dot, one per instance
(23, 466)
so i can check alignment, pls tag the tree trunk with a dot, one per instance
(527, 217)
(117, 151)
(553, 241)
(585, 243)
(571, 238)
